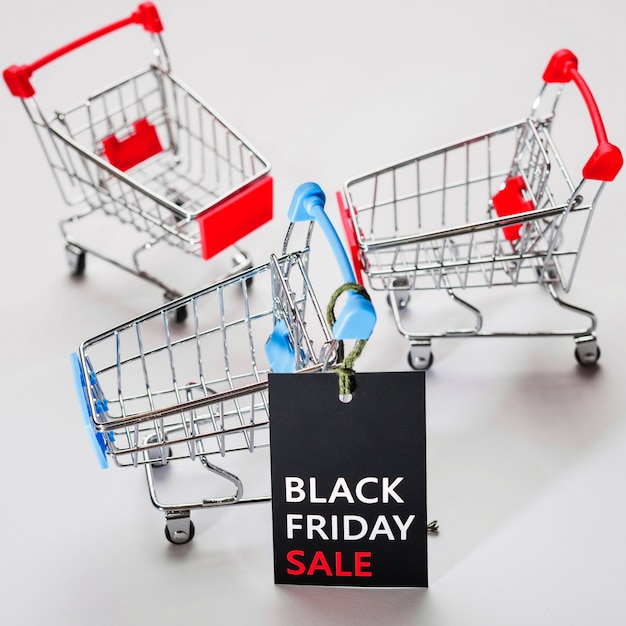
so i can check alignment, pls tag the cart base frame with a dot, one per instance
(420, 356)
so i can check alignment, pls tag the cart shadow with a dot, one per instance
(506, 438)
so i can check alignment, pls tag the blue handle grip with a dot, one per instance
(96, 438)
(308, 204)
(357, 318)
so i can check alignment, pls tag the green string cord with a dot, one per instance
(344, 368)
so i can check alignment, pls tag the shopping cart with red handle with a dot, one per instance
(150, 156)
(497, 209)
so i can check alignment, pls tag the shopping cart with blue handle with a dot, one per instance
(154, 393)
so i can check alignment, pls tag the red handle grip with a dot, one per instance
(606, 160)
(17, 77)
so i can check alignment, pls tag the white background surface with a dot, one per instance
(526, 451)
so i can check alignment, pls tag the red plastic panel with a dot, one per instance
(510, 201)
(348, 228)
(230, 220)
(141, 144)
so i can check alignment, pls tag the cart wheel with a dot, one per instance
(178, 315)
(419, 359)
(156, 459)
(587, 354)
(76, 259)
(399, 292)
(180, 537)
(402, 299)
(550, 273)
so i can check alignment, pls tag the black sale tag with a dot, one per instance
(349, 480)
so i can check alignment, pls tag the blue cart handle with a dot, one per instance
(96, 438)
(357, 318)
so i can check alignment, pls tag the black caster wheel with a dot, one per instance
(419, 362)
(76, 259)
(180, 537)
(180, 315)
(587, 356)
(402, 299)
(155, 458)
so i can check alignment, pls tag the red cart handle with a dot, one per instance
(17, 77)
(606, 160)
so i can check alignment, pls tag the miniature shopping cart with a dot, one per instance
(153, 393)
(148, 155)
(498, 209)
